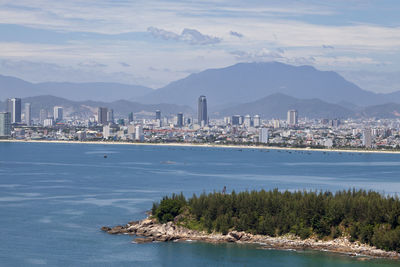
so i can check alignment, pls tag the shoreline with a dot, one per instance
(148, 230)
(336, 150)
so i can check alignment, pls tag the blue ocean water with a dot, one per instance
(55, 197)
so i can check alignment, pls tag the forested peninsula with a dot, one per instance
(351, 221)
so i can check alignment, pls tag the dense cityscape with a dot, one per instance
(17, 123)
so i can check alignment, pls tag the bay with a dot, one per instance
(55, 197)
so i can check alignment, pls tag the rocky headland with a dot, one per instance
(149, 230)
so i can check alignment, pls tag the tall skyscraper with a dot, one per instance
(292, 119)
(263, 135)
(5, 124)
(367, 138)
(247, 121)
(139, 133)
(58, 114)
(179, 119)
(42, 116)
(110, 115)
(202, 111)
(256, 121)
(14, 107)
(158, 115)
(130, 117)
(102, 115)
(235, 120)
(28, 112)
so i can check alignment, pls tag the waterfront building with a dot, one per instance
(179, 120)
(28, 112)
(263, 135)
(14, 108)
(367, 138)
(257, 121)
(110, 115)
(202, 111)
(106, 131)
(102, 115)
(58, 114)
(5, 124)
(292, 118)
(139, 133)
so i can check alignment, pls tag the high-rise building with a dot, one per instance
(367, 138)
(102, 115)
(158, 115)
(5, 124)
(42, 116)
(202, 111)
(14, 107)
(28, 112)
(263, 135)
(179, 119)
(130, 117)
(292, 118)
(256, 121)
(247, 121)
(110, 115)
(139, 133)
(235, 120)
(58, 114)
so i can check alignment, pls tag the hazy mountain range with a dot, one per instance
(15, 87)
(268, 89)
(87, 108)
(246, 82)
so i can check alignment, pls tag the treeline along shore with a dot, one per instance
(352, 221)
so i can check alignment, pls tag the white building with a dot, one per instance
(367, 138)
(28, 112)
(263, 135)
(276, 124)
(292, 118)
(48, 122)
(247, 121)
(58, 114)
(257, 121)
(139, 133)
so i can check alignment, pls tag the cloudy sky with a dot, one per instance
(154, 42)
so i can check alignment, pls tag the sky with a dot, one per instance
(152, 43)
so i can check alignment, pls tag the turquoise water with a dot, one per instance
(55, 197)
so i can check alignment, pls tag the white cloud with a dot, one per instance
(191, 36)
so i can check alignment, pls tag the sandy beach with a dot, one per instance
(208, 145)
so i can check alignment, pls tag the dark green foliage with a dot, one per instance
(169, 208)
(368, 217)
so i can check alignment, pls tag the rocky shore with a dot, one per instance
(148, 230)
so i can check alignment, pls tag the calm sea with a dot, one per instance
(55, 197)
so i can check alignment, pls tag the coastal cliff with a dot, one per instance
(149, 230)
